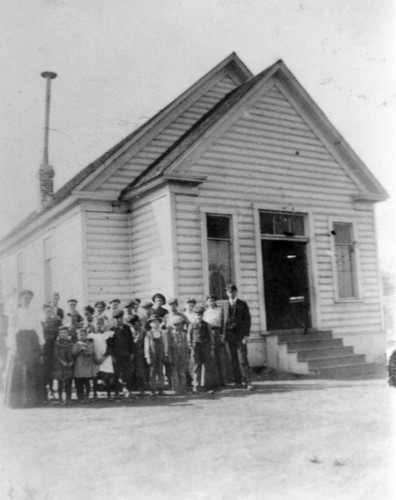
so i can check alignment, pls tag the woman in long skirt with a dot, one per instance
(24, 385)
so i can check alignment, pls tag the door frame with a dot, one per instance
(312, 270)
(295, 239)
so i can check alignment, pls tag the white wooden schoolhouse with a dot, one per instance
(242, 178)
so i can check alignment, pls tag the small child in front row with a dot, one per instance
(155, 351)
(179, 354)
(63, 363)
(84, 366)
(139, 334)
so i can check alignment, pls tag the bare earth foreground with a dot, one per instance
(290, 439)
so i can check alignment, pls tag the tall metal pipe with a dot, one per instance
(48, 75)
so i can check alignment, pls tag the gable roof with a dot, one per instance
(232, 62)
(357, 169)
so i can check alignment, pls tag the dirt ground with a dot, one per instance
(289, 439)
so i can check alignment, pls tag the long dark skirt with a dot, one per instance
(24, 385)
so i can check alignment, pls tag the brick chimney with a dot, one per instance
(46, 172)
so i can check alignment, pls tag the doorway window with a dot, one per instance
(282, 224)
(219, 253)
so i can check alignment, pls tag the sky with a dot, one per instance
(119, 62)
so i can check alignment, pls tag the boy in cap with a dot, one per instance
(147, 312)
(73, 319)
(131, 307)
(122, 351)
(200, 340)
(114, 307)
(178, 354)
(63, 363)
(189, 310)
(54, 303)
(156, 351)
(173, 316)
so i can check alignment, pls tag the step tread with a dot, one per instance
(348, 365)
(336, 357)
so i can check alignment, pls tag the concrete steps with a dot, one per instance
(318, 353)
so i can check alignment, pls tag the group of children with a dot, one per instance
(135, 348)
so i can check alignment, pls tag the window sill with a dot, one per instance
(348, 301)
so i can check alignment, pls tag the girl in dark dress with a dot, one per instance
(24, 381)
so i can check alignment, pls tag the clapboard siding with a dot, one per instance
(271, 156)
(151, 247)
(107, 256)
(125, 174)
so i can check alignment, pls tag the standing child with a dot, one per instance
(178, 354)
(156, 351)
(73, 319)
(201, 343)
(51, 326)
(63, 363)
(84, 366)
(139, 334)
(122, 350)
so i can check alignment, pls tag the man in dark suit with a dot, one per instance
(57, 310)
(236, 333)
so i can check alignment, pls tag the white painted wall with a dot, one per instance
(151, 246)
(66, 263)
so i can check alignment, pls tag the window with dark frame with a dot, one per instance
(282, 224)
(345, 260)
(219, 253)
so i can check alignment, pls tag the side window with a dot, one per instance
(48, 268)
(345, 260)
(220, 259)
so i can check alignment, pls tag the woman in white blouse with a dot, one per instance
(24, 378)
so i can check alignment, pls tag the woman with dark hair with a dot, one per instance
(24, 377)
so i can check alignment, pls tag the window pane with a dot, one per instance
(281, 223)
(218, 227)
(297, 225)
(266, 223)
(343, 233)
(220, 269)
(344, 256)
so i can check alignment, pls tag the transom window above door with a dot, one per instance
(282, 223)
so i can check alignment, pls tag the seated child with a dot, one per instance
(84, 366)
(63, 363)
(138, 334)
(156, 351)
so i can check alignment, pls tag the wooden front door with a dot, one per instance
(286, 284)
